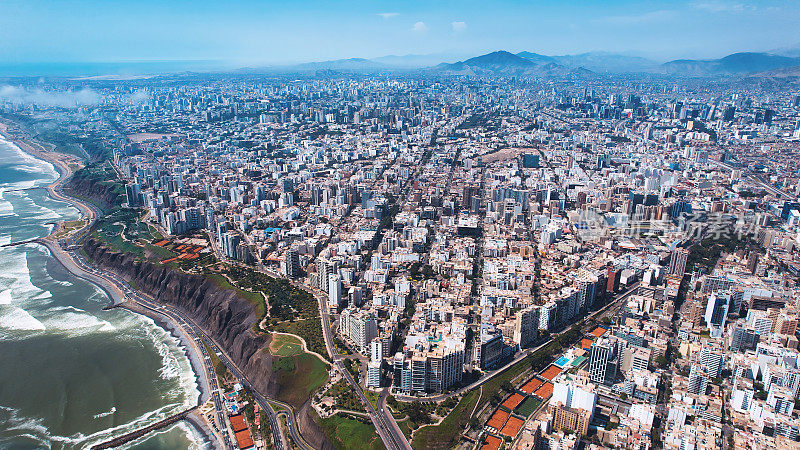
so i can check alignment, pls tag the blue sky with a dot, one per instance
(275, 32)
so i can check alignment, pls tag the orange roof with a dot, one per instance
(597, 332)
(545, 391)
(491, 443)
(162, 243)
(551, 372)
(169, 260)
(243, 439)
(237, 423)
(498, 419)
(513, 401)
(586, 343)
(512, 427)
(532, 385)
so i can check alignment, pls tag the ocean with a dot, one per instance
(71, 374)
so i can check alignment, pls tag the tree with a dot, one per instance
(623, 396)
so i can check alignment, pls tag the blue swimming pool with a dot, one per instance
(563, 361)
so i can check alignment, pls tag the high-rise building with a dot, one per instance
(488, 350)
(698, 380)
(786, 325)
(742, 338)
(374, 374)
(324, 269)
(429, 365)
(716, 312)
(677, 261)
(132, 194)
(635, 358)
(574, 419)
(712, 360)
(230, 242)
(526, 326)
(575, 393)
(603, 361)
(360, 327)
(292, 263)
(334, 290)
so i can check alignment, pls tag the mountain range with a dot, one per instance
(530, 63)
(735, 64)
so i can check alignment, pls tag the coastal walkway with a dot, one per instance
(136, 434)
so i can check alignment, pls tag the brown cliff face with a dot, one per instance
(224, 315)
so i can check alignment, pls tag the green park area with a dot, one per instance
(446, 434)
(350, 433)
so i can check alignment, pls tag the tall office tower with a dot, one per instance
(604, 361)
(712, 360)
(526, 326)
(292, 263)
(324, 269)
(677, 262)
(334, 290)
(728, 113)
(132, 194)
(698, 380)
(716, 312)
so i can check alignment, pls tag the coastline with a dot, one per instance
(112, 290)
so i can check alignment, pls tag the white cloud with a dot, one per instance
(419, 27)
(637, 19)
(62, 99)
(716, 6)
(459, 26)
(388, 15)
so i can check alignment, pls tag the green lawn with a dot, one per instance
(346, 433)
(298, 377)
(447, 434)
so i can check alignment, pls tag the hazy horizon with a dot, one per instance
(253, 34)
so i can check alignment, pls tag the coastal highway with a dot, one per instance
(120, 292)
(199, 336)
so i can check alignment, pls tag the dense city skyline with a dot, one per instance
(405, 225)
